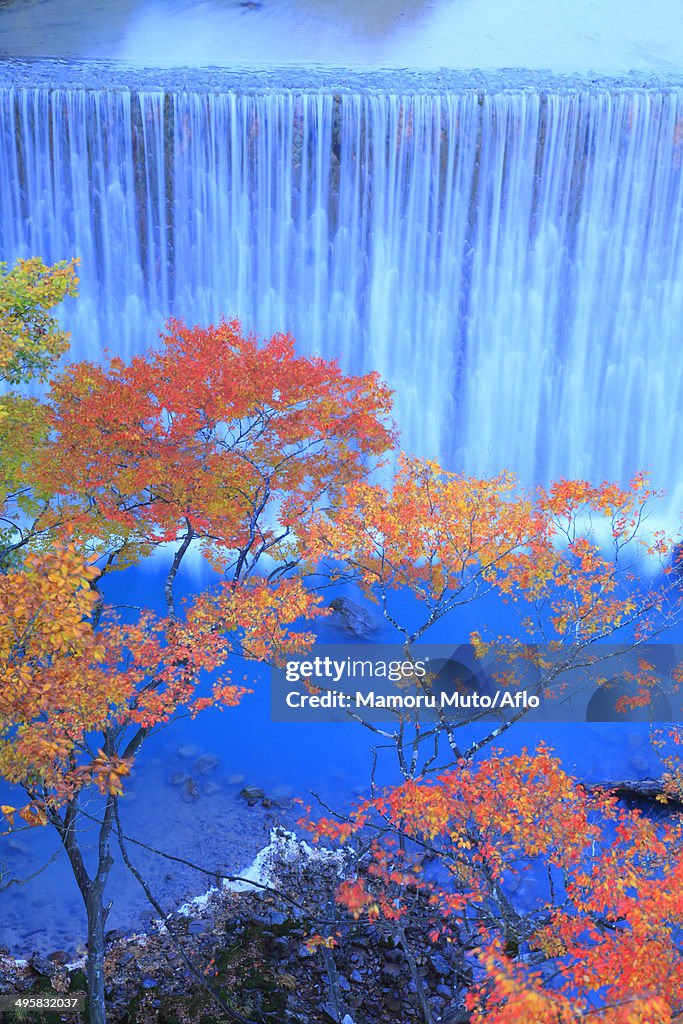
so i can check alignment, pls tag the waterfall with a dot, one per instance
(510, 259)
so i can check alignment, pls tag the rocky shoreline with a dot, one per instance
(282, 953)
(256, 957)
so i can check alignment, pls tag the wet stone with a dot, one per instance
(440, 964)
(190, 791)
(252, 794)
(178, 778)
(187, 751)
(42, 965)
(199, 927)
(60, 956)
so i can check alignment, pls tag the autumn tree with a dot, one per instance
(214, 442)
(566, 559)
(599, 939)
(31, 340)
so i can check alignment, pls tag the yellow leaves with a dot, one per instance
(314, 942)
(8, 812)
(30, 339)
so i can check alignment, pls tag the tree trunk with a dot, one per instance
(97, 916)
(92, 891)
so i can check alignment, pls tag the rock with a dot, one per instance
(199, 927)
(60, 956)
(344, 983)
(444, 990)
(252, 794)
(178, 778)
(352, 617)
(190, 791)
(149, 983)
(356, 976)
(187, 751)
(42, 965)
(236, 779)
(391, 970)
(348, 1019)
(279, 948)
(210, 788)
(440, 964)
(455, 1015)
(206, 764)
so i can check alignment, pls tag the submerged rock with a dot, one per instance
(190, 791)
(178, 778)
(252, 794)
(352, 617)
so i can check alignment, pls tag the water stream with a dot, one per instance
(510, 259)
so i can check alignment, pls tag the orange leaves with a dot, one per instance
(107, 773)
(449, 538)
(258, 614)
(216, 440)
(512, 995)
(601, 938)
(214, 431)
(357, 900)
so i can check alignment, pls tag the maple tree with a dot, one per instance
(600, 938)
(215, 442)
(566, 560)
(30, 339)
(603, 938)
(31, 342)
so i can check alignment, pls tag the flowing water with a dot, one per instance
(510, 259)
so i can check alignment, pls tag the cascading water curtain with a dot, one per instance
(511, 261)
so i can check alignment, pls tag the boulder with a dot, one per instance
(352, 617)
